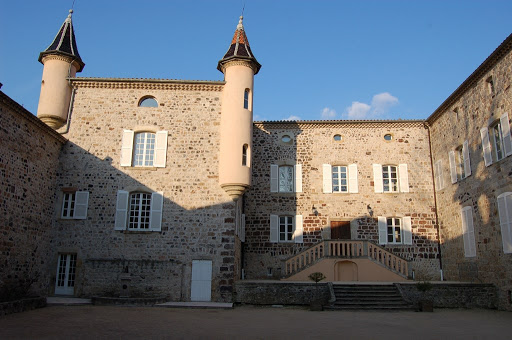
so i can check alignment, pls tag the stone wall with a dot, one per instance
(28, 163)
(198, 216)
(281, 293)
(452, 295)
(473, 106)
(363, 144)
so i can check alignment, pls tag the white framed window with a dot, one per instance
(139, 211)
(390, 178)
(468, 232)
(395, 230)
(340, 178)
(286, 178)
(496, 140)
(438, 175)
(74, 205)
(286, 229)
(460, 163)
(144, 149)
(505, 212)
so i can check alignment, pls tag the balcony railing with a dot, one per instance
(347, 249)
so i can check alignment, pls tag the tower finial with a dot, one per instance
(240, 25)
(68, 19)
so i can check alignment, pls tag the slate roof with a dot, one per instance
(65, 43)
(239, 49)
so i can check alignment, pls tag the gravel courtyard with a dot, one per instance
(246, 322)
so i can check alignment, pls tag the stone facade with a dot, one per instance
(28, 172)
(198, 221)
(362, 143)
(478, 103)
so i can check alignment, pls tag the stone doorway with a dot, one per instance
(340, 230)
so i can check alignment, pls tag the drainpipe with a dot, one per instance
(427, 126)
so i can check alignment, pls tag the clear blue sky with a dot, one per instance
(321, 59)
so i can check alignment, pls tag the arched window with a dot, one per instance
(148, 102)
(245, 155)
(246, 99)
(144, 149)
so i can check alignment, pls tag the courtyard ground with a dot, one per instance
(246, 322)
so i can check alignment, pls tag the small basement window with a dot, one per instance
(148, 102)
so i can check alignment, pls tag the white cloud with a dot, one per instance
(380, 105)
(292, 117)
(328, 113)
(358, 110)
(382, 102)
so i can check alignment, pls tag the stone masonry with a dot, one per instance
(361, 143)
(198, 216)
(476, 104)
(28, 164)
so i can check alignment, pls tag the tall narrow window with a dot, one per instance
(285, 228)
(459, 157)
(244, 155)
(339, 179)
(394, 231)
(246, 99)
(68, 205)
(286, 178)
(140, 209)
(389, 178)
(144, 151)
(497, 137)
(490, 85)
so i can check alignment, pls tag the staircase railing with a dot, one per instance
(347, 249)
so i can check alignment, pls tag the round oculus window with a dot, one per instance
(388, 136)
(337, 138)
(286, 139)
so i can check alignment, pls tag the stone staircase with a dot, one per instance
(368, 297)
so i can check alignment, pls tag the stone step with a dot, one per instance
(368, 297)
(371, 308)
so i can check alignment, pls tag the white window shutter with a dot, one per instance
(468, 232)
(486, 146)
(298, 232)
(242, 231)
(404, 177)
(81, 202)
(453, 169)
(155, 216)
(160, 149)
(297, 172)
(407, 229)
(274, 178)
(383, 230)
(505, 130)
(467, 162)
(127, 148)
(505, 212)
(121, 210)
(327, 180)
(440, 174)
(274, 228)
(377, 178)
(352, 179)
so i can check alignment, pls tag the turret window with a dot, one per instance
(246, 99)
(245, 156)
(148, 102)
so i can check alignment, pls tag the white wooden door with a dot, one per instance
(201, 289)
(66, 269)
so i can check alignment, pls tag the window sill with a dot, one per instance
(286, 194)
(139, 231)
(141, 168)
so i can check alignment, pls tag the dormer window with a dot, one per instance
(148, 102)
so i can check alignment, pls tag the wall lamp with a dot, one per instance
(315, 211)
(370, 210)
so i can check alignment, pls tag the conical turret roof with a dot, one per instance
(239, 49)
(65, 43)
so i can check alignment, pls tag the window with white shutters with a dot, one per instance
(144, 149)
(496, 140)
(74, 205)
(395, 230)
(505, 212)
(340, 178)
(286, 229)
(139, 211)
(390, 178)
(438, 175)
(468, 232)
(286, 178)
